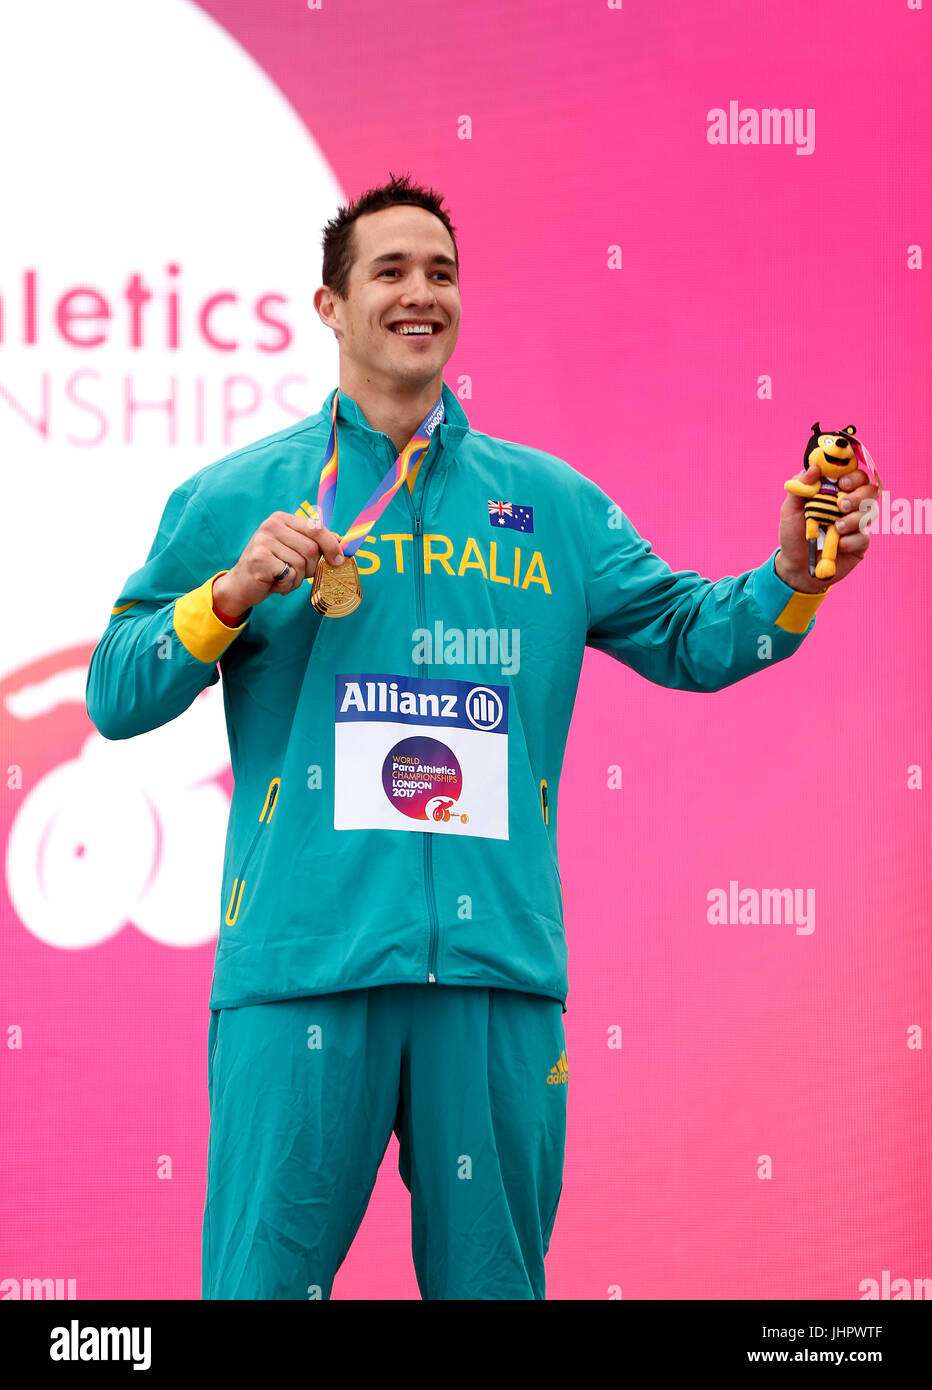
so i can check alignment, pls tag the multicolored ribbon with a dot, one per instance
(410, 456)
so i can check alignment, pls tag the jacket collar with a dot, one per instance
(455, 424)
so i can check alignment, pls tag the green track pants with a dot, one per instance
(304, 1096)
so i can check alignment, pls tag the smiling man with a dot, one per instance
(391, 952)
(395, 310)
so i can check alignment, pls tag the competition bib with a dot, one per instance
(418, 754)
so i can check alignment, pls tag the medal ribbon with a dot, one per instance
(411, 454)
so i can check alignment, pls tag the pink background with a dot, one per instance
(589, 131)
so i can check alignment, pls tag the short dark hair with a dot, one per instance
(338, 234)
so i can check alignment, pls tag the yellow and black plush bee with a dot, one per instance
(835, 453)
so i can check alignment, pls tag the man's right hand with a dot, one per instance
(283, 538)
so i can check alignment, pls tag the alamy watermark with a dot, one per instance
(753, 906)
(476, 646)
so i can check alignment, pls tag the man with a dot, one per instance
(391, 952)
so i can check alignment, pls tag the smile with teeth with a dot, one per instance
(410, 329)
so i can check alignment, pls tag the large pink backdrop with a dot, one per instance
(749, 1102)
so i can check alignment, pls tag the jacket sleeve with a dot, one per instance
(163, 641)
(676, 628)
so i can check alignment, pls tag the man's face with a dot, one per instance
(418, 284)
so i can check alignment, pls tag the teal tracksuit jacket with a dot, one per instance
(397, 770)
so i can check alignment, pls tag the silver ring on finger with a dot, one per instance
(279, 577)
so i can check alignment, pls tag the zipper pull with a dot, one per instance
(431, 980)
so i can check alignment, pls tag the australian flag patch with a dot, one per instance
(510, 515)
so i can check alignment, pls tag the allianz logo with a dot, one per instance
(482, 706)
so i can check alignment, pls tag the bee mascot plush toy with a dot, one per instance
(834, 453)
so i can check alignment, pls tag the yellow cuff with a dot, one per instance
(799, 611)
(197, 625)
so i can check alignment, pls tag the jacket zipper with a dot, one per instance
(426, 837)
(264, 818)
(545, 811)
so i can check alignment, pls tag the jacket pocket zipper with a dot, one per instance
(545, 812)
(271, 797)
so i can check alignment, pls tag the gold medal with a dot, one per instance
(336, 589)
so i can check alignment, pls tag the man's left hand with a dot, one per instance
(792, 560)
